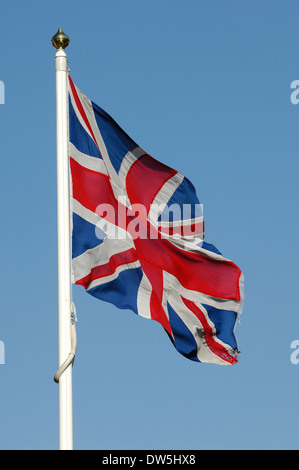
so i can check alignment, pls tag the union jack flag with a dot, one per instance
(137, 239)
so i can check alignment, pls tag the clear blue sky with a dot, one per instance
(205, 88)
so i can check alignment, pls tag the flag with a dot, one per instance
(137, 239)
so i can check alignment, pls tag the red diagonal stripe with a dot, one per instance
(81, 110)
(109, 268)
(91, 188)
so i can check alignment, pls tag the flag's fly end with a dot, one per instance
(60, 40)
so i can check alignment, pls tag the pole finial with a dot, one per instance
(60, 40)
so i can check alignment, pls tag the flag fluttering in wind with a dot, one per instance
(137, 239)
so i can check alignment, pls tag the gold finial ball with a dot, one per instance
(60, 40)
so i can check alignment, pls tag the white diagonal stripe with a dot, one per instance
(91, 163)
(144, 297)
(112, 277)
(97, 256)
(165, 193)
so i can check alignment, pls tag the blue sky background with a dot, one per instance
(205, 88)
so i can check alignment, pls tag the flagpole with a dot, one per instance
(60, 42)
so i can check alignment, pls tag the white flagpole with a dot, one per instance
(60, 41)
